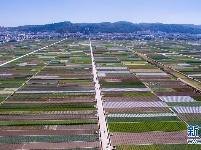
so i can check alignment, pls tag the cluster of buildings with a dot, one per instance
(143, 35)
(12, 36)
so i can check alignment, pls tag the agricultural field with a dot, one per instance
(48, 98)
(144, 104)
(183, 56)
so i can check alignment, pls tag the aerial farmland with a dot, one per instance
(61, 94)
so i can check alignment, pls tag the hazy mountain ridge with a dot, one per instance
(107, 27)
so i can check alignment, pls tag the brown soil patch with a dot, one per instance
(133, 99)
(179, 137)
(141, 109)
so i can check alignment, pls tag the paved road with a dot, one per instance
(103, 127)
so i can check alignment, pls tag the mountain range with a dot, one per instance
(107, 27)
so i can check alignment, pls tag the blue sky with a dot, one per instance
(25, 12)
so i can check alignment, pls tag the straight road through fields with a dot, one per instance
(104, 136)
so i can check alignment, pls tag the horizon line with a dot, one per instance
(99, 22)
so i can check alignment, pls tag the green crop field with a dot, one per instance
(47, 122)
(142, 119)
(161, 147)
(147, 126)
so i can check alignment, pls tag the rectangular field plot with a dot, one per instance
(191, 118)
(159, 147)
(142, 119)
(187, 109)
(132, 104)
(147, 126)
(176, 99)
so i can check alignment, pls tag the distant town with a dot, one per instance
(8, 36)
(102, 31)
